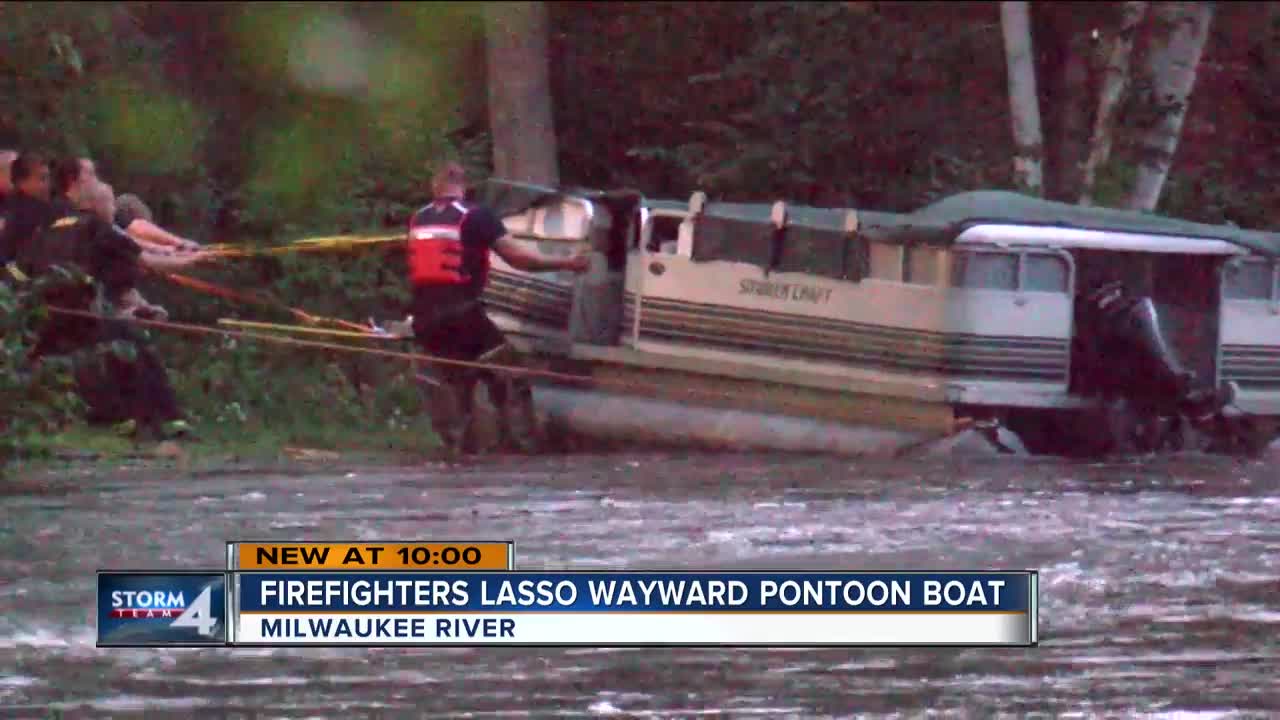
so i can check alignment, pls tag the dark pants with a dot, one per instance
(466, 333)
(114, 388)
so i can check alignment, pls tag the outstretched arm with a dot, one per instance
(148, 232)
(151, 247)
(522, 257)
(166, 261)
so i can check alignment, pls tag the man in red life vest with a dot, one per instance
(448, 260)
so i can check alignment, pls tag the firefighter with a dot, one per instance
(28, 208)
(117, 389)
(447, 254)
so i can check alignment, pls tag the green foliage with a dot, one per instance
(129, 115)
(258, 123)
(819, 108)
(242, 387)
(38, 397)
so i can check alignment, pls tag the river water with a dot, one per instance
(1160, 585)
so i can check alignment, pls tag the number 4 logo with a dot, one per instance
(198, 615)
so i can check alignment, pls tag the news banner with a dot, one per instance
(274, 594)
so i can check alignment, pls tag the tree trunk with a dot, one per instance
(520, 117)
(1172, 65)
(1114, 82)
(1075, 112)
(1062, 84)
(1024, 106)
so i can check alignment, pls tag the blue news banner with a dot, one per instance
(592, 609)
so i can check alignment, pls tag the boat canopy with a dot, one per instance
(669, 205)
(813, 240)
(820, 241)
(942, 221)
(816, 241)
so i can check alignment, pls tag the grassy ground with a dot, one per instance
(224, 445)
(265, 404)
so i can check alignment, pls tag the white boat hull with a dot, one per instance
(845, 332)
(632, 420)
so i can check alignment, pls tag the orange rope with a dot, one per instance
(649, 389)
(200, 329)
(210, 288)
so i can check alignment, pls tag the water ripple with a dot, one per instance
(1158, 586)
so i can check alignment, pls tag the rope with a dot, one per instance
(307, 245)
(203, 330)
(306, 330)
(256, 299)
(344, 242)
(649, 389)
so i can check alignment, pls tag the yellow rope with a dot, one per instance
(305, 330)
(337, 242)
(203, 330)
(650, 389)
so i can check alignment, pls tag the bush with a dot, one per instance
(36, 398)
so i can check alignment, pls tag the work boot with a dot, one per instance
(125, 428)
(466, 435)
(442, 408)
(526, 437)
(522, 436)
(453, 441)
(177, 429)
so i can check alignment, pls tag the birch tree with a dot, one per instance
(1115, 81)
(1172, 65)
(1024, 106)
(520, 116)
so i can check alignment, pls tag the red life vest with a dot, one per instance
(435, 249)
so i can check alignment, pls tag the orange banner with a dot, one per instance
(420, 556)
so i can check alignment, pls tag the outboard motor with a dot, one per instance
(1133, 365)
(1155, 377)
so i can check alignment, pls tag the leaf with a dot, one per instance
(719, 128)
(65, 50)
(124, 350)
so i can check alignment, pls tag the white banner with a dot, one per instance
(603, 629)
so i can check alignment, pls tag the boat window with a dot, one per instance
(984, 270)
(663, 229)
(554, 221)
(886, 261)
(920, 265)
(1045, 273)
(1248, 281)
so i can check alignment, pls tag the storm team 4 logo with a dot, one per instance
(166, 605)
(161, 609)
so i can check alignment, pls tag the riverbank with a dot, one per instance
(223, 448)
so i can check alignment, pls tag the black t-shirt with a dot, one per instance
(78, 241)
(480, 230)
(125, 217)
(24, 218)
(87, 242)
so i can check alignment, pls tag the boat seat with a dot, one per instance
(564, 219)
(522, 222)
(684, 241)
